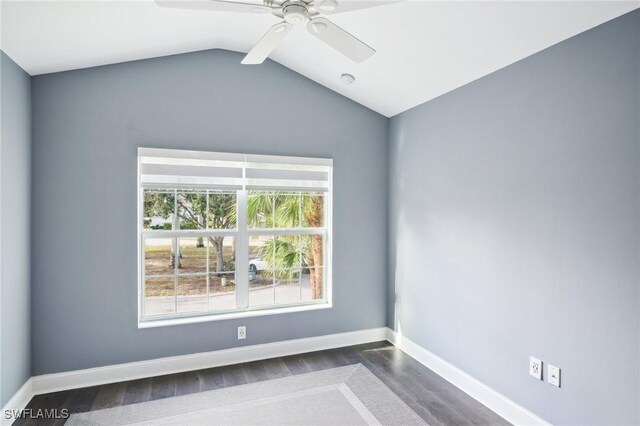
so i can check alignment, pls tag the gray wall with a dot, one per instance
(15, 187)
(86, 127)
(514, 223)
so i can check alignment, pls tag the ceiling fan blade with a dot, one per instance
(333, 7)
(339, 39)
(214, 5)
(267, 43)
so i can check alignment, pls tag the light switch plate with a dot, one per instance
(553, 375)
(242, 332)
(535, 368)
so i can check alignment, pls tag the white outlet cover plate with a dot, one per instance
(535, 368)
(553, 375)
(242, 332)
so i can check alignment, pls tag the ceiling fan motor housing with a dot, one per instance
(295, 12)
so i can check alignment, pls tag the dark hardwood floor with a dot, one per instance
(434, 399)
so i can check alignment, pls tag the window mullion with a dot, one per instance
(206, 242)
(300, 199)
(242, 252)
(176, 251)
(273, 268)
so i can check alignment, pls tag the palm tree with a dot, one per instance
(284, 210)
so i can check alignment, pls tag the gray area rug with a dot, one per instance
(349, 395)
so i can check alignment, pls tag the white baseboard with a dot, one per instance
(177, 364)
(500, 404)
(17, 402)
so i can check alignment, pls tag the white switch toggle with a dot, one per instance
(553, 375)
(535, 368)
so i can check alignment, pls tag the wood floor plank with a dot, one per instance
(110, 395)
(446, 414)
(276, 368)
(187, 382)
(296, 364)
(351, 355)
(469, 408)
(402, 365)
(233, 376)
(163, 387)
(427, 378)
(137, 391)
(336, 358)
(375, 359)
(401, 360)
(426, 415)
(390, 381)
(316, 361)
(376, 345)
(81, 400)
(255, 371)
(210, 379)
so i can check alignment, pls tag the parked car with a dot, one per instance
(256, 265)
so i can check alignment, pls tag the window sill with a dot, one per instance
(232, 315)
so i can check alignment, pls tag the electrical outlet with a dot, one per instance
(553, 375)
(242, 332)
(535, 368)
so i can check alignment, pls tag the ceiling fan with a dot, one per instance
(292, 12)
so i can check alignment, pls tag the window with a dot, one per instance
(229, 235)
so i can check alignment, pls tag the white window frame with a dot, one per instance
(242, 233)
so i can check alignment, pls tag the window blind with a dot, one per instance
(162, 168)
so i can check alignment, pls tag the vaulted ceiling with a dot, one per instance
(424, 48)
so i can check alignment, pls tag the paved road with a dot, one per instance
(283, 293)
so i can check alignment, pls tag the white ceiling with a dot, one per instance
(424, 48)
